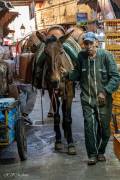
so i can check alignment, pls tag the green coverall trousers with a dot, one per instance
(97, 127)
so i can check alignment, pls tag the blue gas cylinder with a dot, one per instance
(2, 117)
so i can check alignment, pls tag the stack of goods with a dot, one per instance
(112, 34)
(112, 38)
(112, 44)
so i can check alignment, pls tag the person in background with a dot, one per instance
(6, 74)
(8, 87)
(27, 94)
(99, 78)
(92, 26)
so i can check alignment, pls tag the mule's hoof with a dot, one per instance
(58, 146)
(71, 150)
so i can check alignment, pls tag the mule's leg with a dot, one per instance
(64, 118)
(66, 110)
(67, 120)
(58, 144)
(56, 105)
(67, 123)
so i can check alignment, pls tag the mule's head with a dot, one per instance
(58, 57)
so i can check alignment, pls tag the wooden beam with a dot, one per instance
(23, 2)
(8, 18)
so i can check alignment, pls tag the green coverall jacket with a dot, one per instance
(96, 75)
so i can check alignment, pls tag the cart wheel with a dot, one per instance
(21, 139)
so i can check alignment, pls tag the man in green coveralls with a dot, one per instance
(97, 72)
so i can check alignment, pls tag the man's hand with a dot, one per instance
(101, 99)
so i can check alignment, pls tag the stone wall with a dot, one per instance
(59, 12)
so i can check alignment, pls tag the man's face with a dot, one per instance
(90, 47)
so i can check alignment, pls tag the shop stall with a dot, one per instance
(112, 44)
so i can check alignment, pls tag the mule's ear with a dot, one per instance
(41, 36)
(67, 34)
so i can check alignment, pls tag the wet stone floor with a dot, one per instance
(44, 163)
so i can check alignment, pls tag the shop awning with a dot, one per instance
(4, 7)
(8, 18)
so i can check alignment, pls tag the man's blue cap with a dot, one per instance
(90, 36)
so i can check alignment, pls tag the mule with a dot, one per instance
(58, 87)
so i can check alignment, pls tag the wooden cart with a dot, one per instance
(12, 128)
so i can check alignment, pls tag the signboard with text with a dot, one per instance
(81, 19)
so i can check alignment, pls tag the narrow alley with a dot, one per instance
(44, 163)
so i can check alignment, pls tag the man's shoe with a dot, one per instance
(92, 161)
(101, 157)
